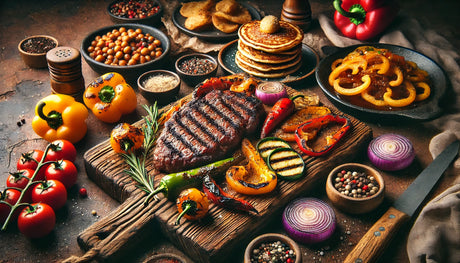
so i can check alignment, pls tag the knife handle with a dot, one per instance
(372, 244)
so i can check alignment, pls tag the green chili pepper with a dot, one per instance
(172, 184)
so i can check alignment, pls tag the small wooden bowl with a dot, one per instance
(270, 237)
(35, 60)
(353, 205)
(194, 79)
(162, 97)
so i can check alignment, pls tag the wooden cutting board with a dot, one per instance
(214, 238)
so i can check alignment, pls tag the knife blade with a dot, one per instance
(373, 243)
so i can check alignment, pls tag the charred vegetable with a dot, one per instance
(267, 145)
(192, 204)
(253, 179)
(223, 199)
(309, 131)
(286, 163)
(126, 138)
(279, 112)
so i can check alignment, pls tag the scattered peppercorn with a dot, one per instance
(273, 252)
(355, 184)
(196, 66)
(82, 192)
(134, 9)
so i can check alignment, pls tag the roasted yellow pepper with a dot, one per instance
(109, 97)
(253, 179)
(126, 138)
(59, 116)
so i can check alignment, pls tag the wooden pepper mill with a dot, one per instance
(297, 12)
(64, 64)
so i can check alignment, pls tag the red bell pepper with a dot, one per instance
(280, 111)
(310, 129)
(364, 19)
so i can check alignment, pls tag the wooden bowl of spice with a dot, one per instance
(33, 50)
(195, 68)
(273, 247)
(159, 85)
(355, 188)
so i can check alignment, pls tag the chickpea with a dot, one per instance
(126, 56)
(127, 49)
(100, 43)
(132, 62)
(124, 44)
(90, 49)
(99, 58)
(150, 39)
(119, 55)
(112, 45)
(142, 59)
(157, 42)
(136, 56)
(144, 51)
(122, 29)
(138, 30)
(147, 58)
(158, 53)
(151, 47)
(104, 49)
(110, 57)
(110, 51)
(122, 62)
(93, 43)
(98, 38)
(125, 38)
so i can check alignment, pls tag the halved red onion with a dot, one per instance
(391, 152)
(270, 92)
(309, 220)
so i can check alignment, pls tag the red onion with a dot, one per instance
(391, 152)
(309, 220)
(270, 92)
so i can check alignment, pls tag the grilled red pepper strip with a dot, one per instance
(364, 19)
(280, 111)
(309, 129)
(223, 199)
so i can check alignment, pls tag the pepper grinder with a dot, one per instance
(64, 64)
(297, 12)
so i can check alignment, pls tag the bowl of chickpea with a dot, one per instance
(128, 49)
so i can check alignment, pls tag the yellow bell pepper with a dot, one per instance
(59, 116)
(109, 97)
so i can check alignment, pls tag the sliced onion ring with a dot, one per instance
(309, 220)
(270, 92)
(391, 152)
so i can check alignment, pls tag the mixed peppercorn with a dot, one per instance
(196, 66)
(273, 252)
(355, 184)
(134, 9)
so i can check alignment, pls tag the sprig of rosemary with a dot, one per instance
(136, 163)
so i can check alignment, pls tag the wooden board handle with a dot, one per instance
(372, 244)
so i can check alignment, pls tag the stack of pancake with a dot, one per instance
(271, 52)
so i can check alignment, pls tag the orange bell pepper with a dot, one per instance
(59, 116)
(109, 97)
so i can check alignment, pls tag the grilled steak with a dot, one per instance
(206, 129)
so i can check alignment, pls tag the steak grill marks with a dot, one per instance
(205, 129)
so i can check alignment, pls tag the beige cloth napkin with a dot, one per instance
(435, 236)
(407, 32)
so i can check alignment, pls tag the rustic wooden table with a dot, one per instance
(69, 21)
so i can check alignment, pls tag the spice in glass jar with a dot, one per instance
(355, 184)
(196, 66)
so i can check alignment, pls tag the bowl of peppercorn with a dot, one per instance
(147, 12)
(273, 247)
(196, 67)
(128, 49)
(33, 50)
(355, 188)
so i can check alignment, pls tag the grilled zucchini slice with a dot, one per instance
(267, 145)
(286, 163)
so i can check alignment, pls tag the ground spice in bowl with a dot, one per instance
(160, 82)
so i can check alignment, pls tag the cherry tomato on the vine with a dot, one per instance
(64, 171)
(11, 196)
(20, 178)
(61, 150)
(30, 160)
(36, 220)
(51, 192)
